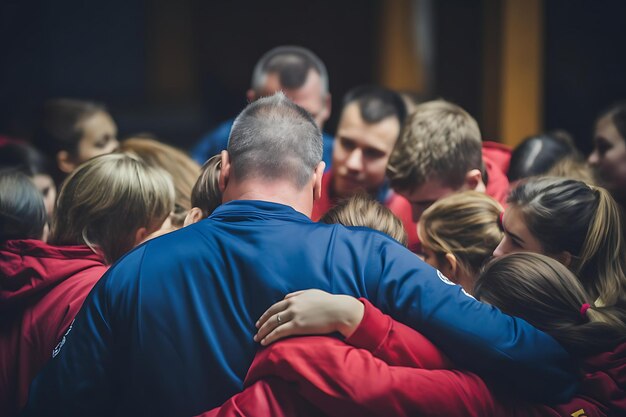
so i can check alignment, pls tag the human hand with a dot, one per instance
(309, 312)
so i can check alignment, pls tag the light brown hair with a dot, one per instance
(107, 199)
(439, 140)
(182, 168)
(465, 225)
(569, 215)
(361, 210)
(206, 194)
(545, 293)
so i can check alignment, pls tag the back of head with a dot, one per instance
(24, 158)
(182, 168)
(536, 155)
(545, 293)
(465, 225)
(206, 194)
(273, 139)
(439, 140)
(22, 211)
(107, 199)
(362, 210)
(569, 215)
(292, 64)
(376, 103)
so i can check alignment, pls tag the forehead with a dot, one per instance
(99, 120)
(607, 130)
(432, 190)
(383, 134)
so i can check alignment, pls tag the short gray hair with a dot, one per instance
(273, 138)
(292, 64)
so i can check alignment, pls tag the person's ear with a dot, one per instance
(251, 95)
(193, 216)
(450, 265)
(140, 235)
(317, 180)
(224, 172)
(564, 258)
(65, 162)
(474, 181)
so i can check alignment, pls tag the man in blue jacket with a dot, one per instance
(297, 72)
(168, 330)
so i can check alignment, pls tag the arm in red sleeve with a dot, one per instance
(395, 343)
(342, 380)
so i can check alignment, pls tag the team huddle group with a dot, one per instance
(402, 267)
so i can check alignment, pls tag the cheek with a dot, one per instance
(376, 169)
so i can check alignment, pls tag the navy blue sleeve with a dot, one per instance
(81, 379)
(476, 336)
(212, 143)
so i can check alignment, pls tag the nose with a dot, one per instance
(500, 249)
(593, 158)
(355, 160)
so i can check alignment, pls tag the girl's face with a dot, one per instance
(609, 154)
(99, 137)
(517, 237)
(45, 185)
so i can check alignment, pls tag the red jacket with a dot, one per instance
(42, 287)
(380, 379)
(394, 202)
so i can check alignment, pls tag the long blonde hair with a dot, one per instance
(182, 168)
(569, 215)
(465, 225)
(107, 199)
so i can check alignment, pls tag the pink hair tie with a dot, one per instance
(584, 308)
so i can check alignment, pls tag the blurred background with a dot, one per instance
(177, 68)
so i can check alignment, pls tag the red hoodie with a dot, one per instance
(42, 287)
(396, 371)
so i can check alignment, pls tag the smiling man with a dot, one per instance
(370, 124)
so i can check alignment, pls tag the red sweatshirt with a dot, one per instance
(42, 287)
(381, 379)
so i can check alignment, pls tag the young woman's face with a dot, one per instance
(45, 185)
(517, 237)
(99, 137)
(609, 154)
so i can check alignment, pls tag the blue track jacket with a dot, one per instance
(168, 330)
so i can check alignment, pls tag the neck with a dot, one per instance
(281, 192)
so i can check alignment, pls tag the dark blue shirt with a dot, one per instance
(168, 330)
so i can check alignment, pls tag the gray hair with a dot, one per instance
(292, 64)
(273, 138)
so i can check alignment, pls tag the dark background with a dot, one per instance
(176, 68)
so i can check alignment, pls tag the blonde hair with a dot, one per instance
(361, 210)
(206, 194)
(545, 293)
(182, 168)
(574, 168)
(465, 225)
(106, 199)
(439, 140)
(569, 215)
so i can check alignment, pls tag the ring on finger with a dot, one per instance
(278, 319)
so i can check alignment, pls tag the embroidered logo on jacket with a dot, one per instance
(58, 347)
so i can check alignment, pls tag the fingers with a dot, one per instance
(293, 294)
(272, 323)
(276, 308)
(279, 332)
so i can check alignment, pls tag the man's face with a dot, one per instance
(309, 96)
(361, 152)
(425, 195)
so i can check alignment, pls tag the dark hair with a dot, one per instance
(59, 126)
(24, 158)
(292, 64)
(376, 103)
(545, 293)
(273, 138)
(569, 215)
(617, 113)
(537, 154)
(22, 210)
